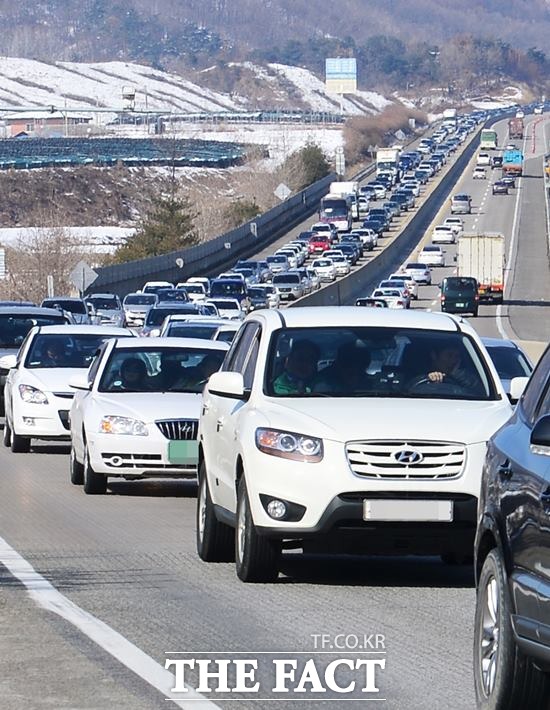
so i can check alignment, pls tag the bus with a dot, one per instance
(336, 210)
(489, 140)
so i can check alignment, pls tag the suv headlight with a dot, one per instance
(32, 395)
(123, 425)
(289, 445)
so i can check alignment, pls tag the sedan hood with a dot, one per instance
(349, 419)
(150, 406)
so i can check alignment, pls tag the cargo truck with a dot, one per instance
(515, 128)
(388, 159)
(489, 139)
(482, 257)
(450, 117)
(512, 163)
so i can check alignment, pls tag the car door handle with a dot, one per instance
(505, 470)
(219, 423)
(205, 408)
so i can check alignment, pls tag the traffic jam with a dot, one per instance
(387, 425)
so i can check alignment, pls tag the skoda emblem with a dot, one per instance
(408, 457)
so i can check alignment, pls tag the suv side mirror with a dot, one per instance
(540, 436)
(227, 384)
(517, 387)
(8, 362)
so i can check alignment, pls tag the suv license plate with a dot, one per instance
(408, 510)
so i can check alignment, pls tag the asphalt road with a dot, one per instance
(128, 559)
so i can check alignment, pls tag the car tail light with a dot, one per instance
(442, 298)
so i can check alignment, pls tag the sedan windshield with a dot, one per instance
(159, 369)
(104, 304)
(59, 350)
(140, 299)
(376, 362)
(71, 306)
(13, 329)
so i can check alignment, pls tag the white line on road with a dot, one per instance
(47, 596)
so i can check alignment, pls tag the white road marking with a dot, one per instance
(47, 596)
(499, 320)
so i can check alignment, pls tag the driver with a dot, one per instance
(446, 365)
(197, 376)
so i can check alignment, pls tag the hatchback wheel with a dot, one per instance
(215, 541)
(257, 557)
(6, 436)
(19, 444)
(94, 483)
(504, 678)
(76, 469)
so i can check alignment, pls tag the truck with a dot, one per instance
(515, 128)
(512, 163)
(489, 139)
(450, 117)
(336, 210)
(348, 190)
(482, 257)
(388, 159)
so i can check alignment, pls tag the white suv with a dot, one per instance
(345, 429)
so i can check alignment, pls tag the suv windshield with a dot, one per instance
(157, 315)
(376, 362)
(140, 299)
(14, 329)
(455, 285)
(63, 350)
(104, 304)
(286, 279)
(71, 306)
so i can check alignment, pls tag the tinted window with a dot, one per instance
(157, 315)
(237, 355)
(48, 351)
(159, 369)
(13, 329)
(536, 386)
(509, 362)
(140, 299)
(376, 362)
(104, 304)
(72, 306)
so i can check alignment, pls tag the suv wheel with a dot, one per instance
(215, 541)
(504, 678)
(94, 483)
(257, 558)
(76, 469)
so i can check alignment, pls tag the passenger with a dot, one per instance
(133, 376)
(348, 373)
(54, 353)
(300, 369)
(194, 378)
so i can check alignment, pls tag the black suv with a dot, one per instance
(459, 295)
(512, 557)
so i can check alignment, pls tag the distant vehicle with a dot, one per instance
(482, 256)
(515, 127)
(496, 161)
(461, 204)
(483, 160)
(456, 224)
(137, 305)
(107, 309)
(512, 163)
(156, 315)
(392, 296)
(419, 272)
(500, 188)
(336, 211)
(76, 306)
(509, 360)
(489, 139)
(372, 302)
(459, 295)
(153, 286)
(432, 255)
(443, 234)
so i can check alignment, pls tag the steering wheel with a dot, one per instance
(450, 382)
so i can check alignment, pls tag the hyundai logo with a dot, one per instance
(408, 457)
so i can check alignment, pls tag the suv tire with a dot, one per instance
(257, 558)
(215, 540)
(504, 678)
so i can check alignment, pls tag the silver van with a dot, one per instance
(461, 204)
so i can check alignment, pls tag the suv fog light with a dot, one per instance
(28, 421)
(276, 509)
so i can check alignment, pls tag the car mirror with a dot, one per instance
(517, 387)
(80, 382)
(540, 436)
(8, 362)
(227, 384)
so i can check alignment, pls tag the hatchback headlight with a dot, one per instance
(288, 445)
(123, 425)
(32, 395)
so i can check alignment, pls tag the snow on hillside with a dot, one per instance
(27, 83)
(314, 93)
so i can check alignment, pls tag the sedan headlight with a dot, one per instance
(123, 425)
(288, 445)
(32, 395)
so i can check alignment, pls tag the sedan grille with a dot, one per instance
(179, 429)
(406, 460)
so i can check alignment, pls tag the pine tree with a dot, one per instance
(167, 227)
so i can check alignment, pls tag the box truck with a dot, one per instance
(482, 257)
(512, 163)
(515, 128)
